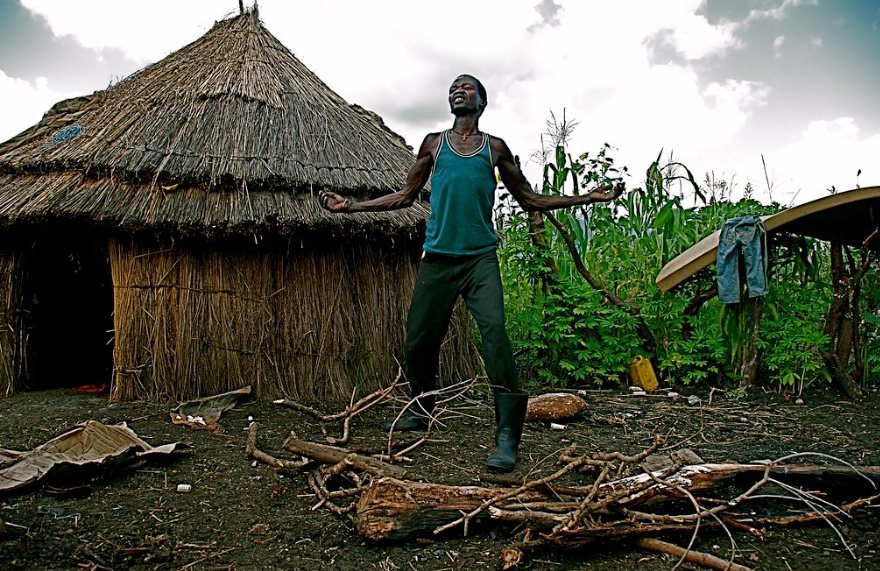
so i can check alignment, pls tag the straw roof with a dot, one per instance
(229, 134)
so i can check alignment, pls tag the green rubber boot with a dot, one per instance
(417, 418)
(510, 414)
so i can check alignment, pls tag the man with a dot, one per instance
(459, 258)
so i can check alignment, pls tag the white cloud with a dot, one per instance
(397, 57)
(145, 31)
(696, 38)
(24, 103)
(778, 12)
(828, 153)
(733, 102)
(777, 46)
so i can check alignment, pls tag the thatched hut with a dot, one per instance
(164, 233)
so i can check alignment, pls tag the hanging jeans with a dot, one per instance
(744, 236)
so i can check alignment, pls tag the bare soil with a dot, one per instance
(242, 515)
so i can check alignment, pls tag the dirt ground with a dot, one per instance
(241, 515)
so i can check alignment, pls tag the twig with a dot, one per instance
(282, 466)
(351, 411)
(458, 388)
(577, 514)
(696, 507)
(545, 519)
(807, 499)
(203, 559)
(809, 518)
(400, 455)
(332, 455)
(704, 559)
(578, 462)
(316, 482)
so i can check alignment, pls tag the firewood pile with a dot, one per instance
(591, 499)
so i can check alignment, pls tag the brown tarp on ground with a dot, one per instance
(90, 447)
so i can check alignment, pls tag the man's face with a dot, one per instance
(464, 98)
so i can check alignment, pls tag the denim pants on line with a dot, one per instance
(441, 279)
(744, 236)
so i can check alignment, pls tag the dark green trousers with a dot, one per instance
(441, 279)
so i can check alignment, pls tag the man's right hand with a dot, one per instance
(333, 202)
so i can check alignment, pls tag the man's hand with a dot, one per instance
(333, 202)
(607, 192)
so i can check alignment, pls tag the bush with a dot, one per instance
(566, 333)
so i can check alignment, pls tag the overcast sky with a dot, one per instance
(718, 82)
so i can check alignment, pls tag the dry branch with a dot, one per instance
(283, 466)
(704, 559)
(347, 415)
(333, 455)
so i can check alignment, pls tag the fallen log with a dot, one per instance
(393, 509)
(333, 455)
(397, 509)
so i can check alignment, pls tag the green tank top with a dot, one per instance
(462, 197)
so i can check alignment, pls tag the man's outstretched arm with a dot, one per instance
(519, 187)
(415, 181)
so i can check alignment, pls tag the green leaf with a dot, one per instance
(560, 156)
(664, 217)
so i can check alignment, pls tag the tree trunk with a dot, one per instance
(840, 322)
(539, 241)
(752, 358)
(394, 509)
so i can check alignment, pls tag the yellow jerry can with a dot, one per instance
(642, 373)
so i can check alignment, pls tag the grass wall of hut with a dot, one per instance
(12, 335)
(311, 319)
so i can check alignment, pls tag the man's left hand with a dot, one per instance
(607, 192)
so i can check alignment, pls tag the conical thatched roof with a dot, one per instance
(229, 134)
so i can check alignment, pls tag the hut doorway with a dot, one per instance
(68, 298)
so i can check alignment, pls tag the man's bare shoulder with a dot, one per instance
(499, 147)
(497, 143)
(433, 137)
(430, 142)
